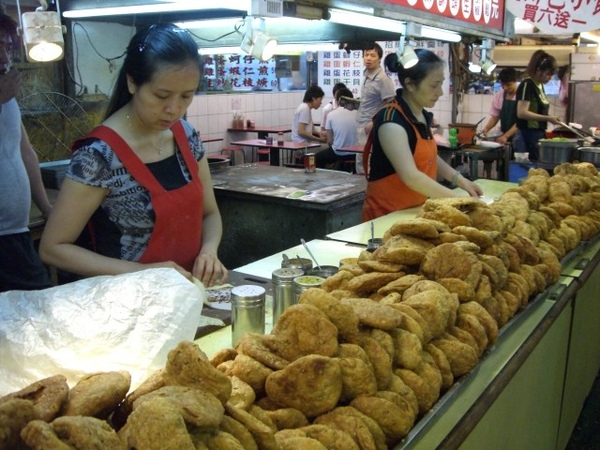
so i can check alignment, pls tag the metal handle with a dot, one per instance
(310, 253)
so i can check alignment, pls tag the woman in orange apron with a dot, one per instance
(139, 183)
(400, 157)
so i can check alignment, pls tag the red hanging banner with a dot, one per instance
(489, 13)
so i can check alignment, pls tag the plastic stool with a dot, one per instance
(261, 151)
(232, 149)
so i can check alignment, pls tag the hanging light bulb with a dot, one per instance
(264, 46)
(406, 54)
(486, 63)
(42, 34)
(487, 66)
(256, 42)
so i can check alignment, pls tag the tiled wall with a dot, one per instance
(212, 114)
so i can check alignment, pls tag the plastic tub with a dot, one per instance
(466, 132)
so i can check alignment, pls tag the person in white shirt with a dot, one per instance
(20, 179)
(341, 132)
(303, 129)
(330, 107)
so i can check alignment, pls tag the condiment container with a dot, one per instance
(373, 244)
(310, 165)
(324, 271)
(283, 292)
(280, 138)
(247, 311)
(297, 263)
(304, 282)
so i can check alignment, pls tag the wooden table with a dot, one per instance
(358, 148)
(263, 131)
(475, 153)
(274, 148)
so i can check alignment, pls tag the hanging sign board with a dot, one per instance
(489, 13)
(558, 16)
(238, 73)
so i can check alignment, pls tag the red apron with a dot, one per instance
(390, 193)
(177, 233)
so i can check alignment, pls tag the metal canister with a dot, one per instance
(247, 311)
(283, 293)
(310, 164)
(304, 282)
(297, 263)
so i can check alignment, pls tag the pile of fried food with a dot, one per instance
(359, 360)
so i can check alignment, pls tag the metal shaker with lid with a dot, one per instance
(247, 311)
(304, 282)
(283, 294)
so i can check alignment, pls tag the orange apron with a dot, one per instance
(390, 193)
(177, 233)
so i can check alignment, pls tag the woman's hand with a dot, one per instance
(209, 270)
(502, 140)
(465, 184)
(555, 120)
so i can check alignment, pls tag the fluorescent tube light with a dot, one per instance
(282, 49)
(219, 50)
(415, 30)
(365, 21)
(591, 36)
(209, 23)
(188, 5)
(439, 35)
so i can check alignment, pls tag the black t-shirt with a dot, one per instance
(380, 165)
(538, 103)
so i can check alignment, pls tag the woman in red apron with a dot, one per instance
(400, 157)
(139, 183)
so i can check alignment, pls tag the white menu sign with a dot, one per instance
(558, 16)
(347, 67)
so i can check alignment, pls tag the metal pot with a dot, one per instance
(556, 151)
(215, 164)
(326, 271)
(589, 154)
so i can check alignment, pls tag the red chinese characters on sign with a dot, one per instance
(238, 73)
(559, 16)
(482, 12)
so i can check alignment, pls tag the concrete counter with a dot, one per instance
(267, 209)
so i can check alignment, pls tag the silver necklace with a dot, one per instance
(159, 150)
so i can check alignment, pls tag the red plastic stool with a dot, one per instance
(232, 149)
(259, 154)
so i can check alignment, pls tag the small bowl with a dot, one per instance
(374, 244)
(294, 263)
(326, 271)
